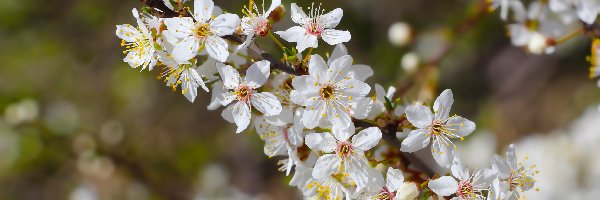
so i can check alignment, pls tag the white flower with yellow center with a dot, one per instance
(392, 188)
(283, 135)
(328, 92)
(342, 155)
(313, 26)
(138, 42)
(438, 127)
(202, 31)
(244, 91)
(463, 185)
(513, 176)
(256, 22)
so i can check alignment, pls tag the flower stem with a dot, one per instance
(276, 40)
(569, 36)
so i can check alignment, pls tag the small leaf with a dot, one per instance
(388, 105)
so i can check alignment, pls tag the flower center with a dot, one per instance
(202, 30)
(263, 28)
(465, 190)
(437, 128)
(314, 29)
(344, 149)
(327, 92)
(385, 194)
(243, 93)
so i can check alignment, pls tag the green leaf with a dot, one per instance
(388, 105)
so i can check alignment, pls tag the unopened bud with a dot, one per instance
(538, 44)
(400, 34)
(277, 14)
(407, 191)
(410, 62)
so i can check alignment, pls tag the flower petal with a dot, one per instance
(511, 157)
(338, 115)
(442, 104)
(298, 15)
(203, 10)
(317, 67)
(460, 126)
(307, 41)
(416, 140)
(333, 37)
(324, 142)
(293, 34)
(339, 51)
(459, 170)
(258, 73)
(313, 115)
(394, 179)
(484, 178)
(353, 89)
(443, 186)
(186, 49)
(241, 116)
(358, 167)
(366, 139)
(216, 97)
(420, 116)
(501, 166)
(180, 27)
(266, 103)
(127, 32)
(339, 68)
(361, 72)
(274, 4)
(332, 18)
(326, 165)
(224, 24)
(217, 48)
(230, 76)
(442, 153)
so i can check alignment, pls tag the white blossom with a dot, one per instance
(313, 26)
(244, 91)
(328, 92)
(256, 22)
(343, 155)
(138, 42)
(462, 183)
(400, 34)
(202, 31)
(392, 188)
(438, 127)
(513, 176)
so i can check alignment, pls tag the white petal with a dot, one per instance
(394, 179)
(186, 49)
(313, 115)
(241, 116)
(416, 140)
(298, 15)
(361, 72)
(459, 170)
(511, 157)
(230, 76)
(339, 51)
(266, 103)
(258, 73)
(343, 134)
(460, 126)
(358, 167)
(332, 18)
(127, 32)
(443, 103)
(333, 37)
(443, 186)
(217, 48)
(353, 88)
(293, 34)
(307, 41)
(501, 166)
(227, 97)
(326, 165)
(321, 142)
(420, 116)
(317, 67)
(203, 9)
(216, 97)
(180, 27)
(224, 24)
(443, 154)
(484, 178)
(227, 115)
(362, 108)
(338, 116)
(366, 139)
(339, 68)
(284, 118)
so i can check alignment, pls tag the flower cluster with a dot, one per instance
(315, 114)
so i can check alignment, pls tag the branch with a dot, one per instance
(275, 64)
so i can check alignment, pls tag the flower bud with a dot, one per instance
(407, 191)
(400, 34)
(277, 14)
(410, 62)
(537, 43)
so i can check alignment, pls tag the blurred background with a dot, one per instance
(78, 123)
